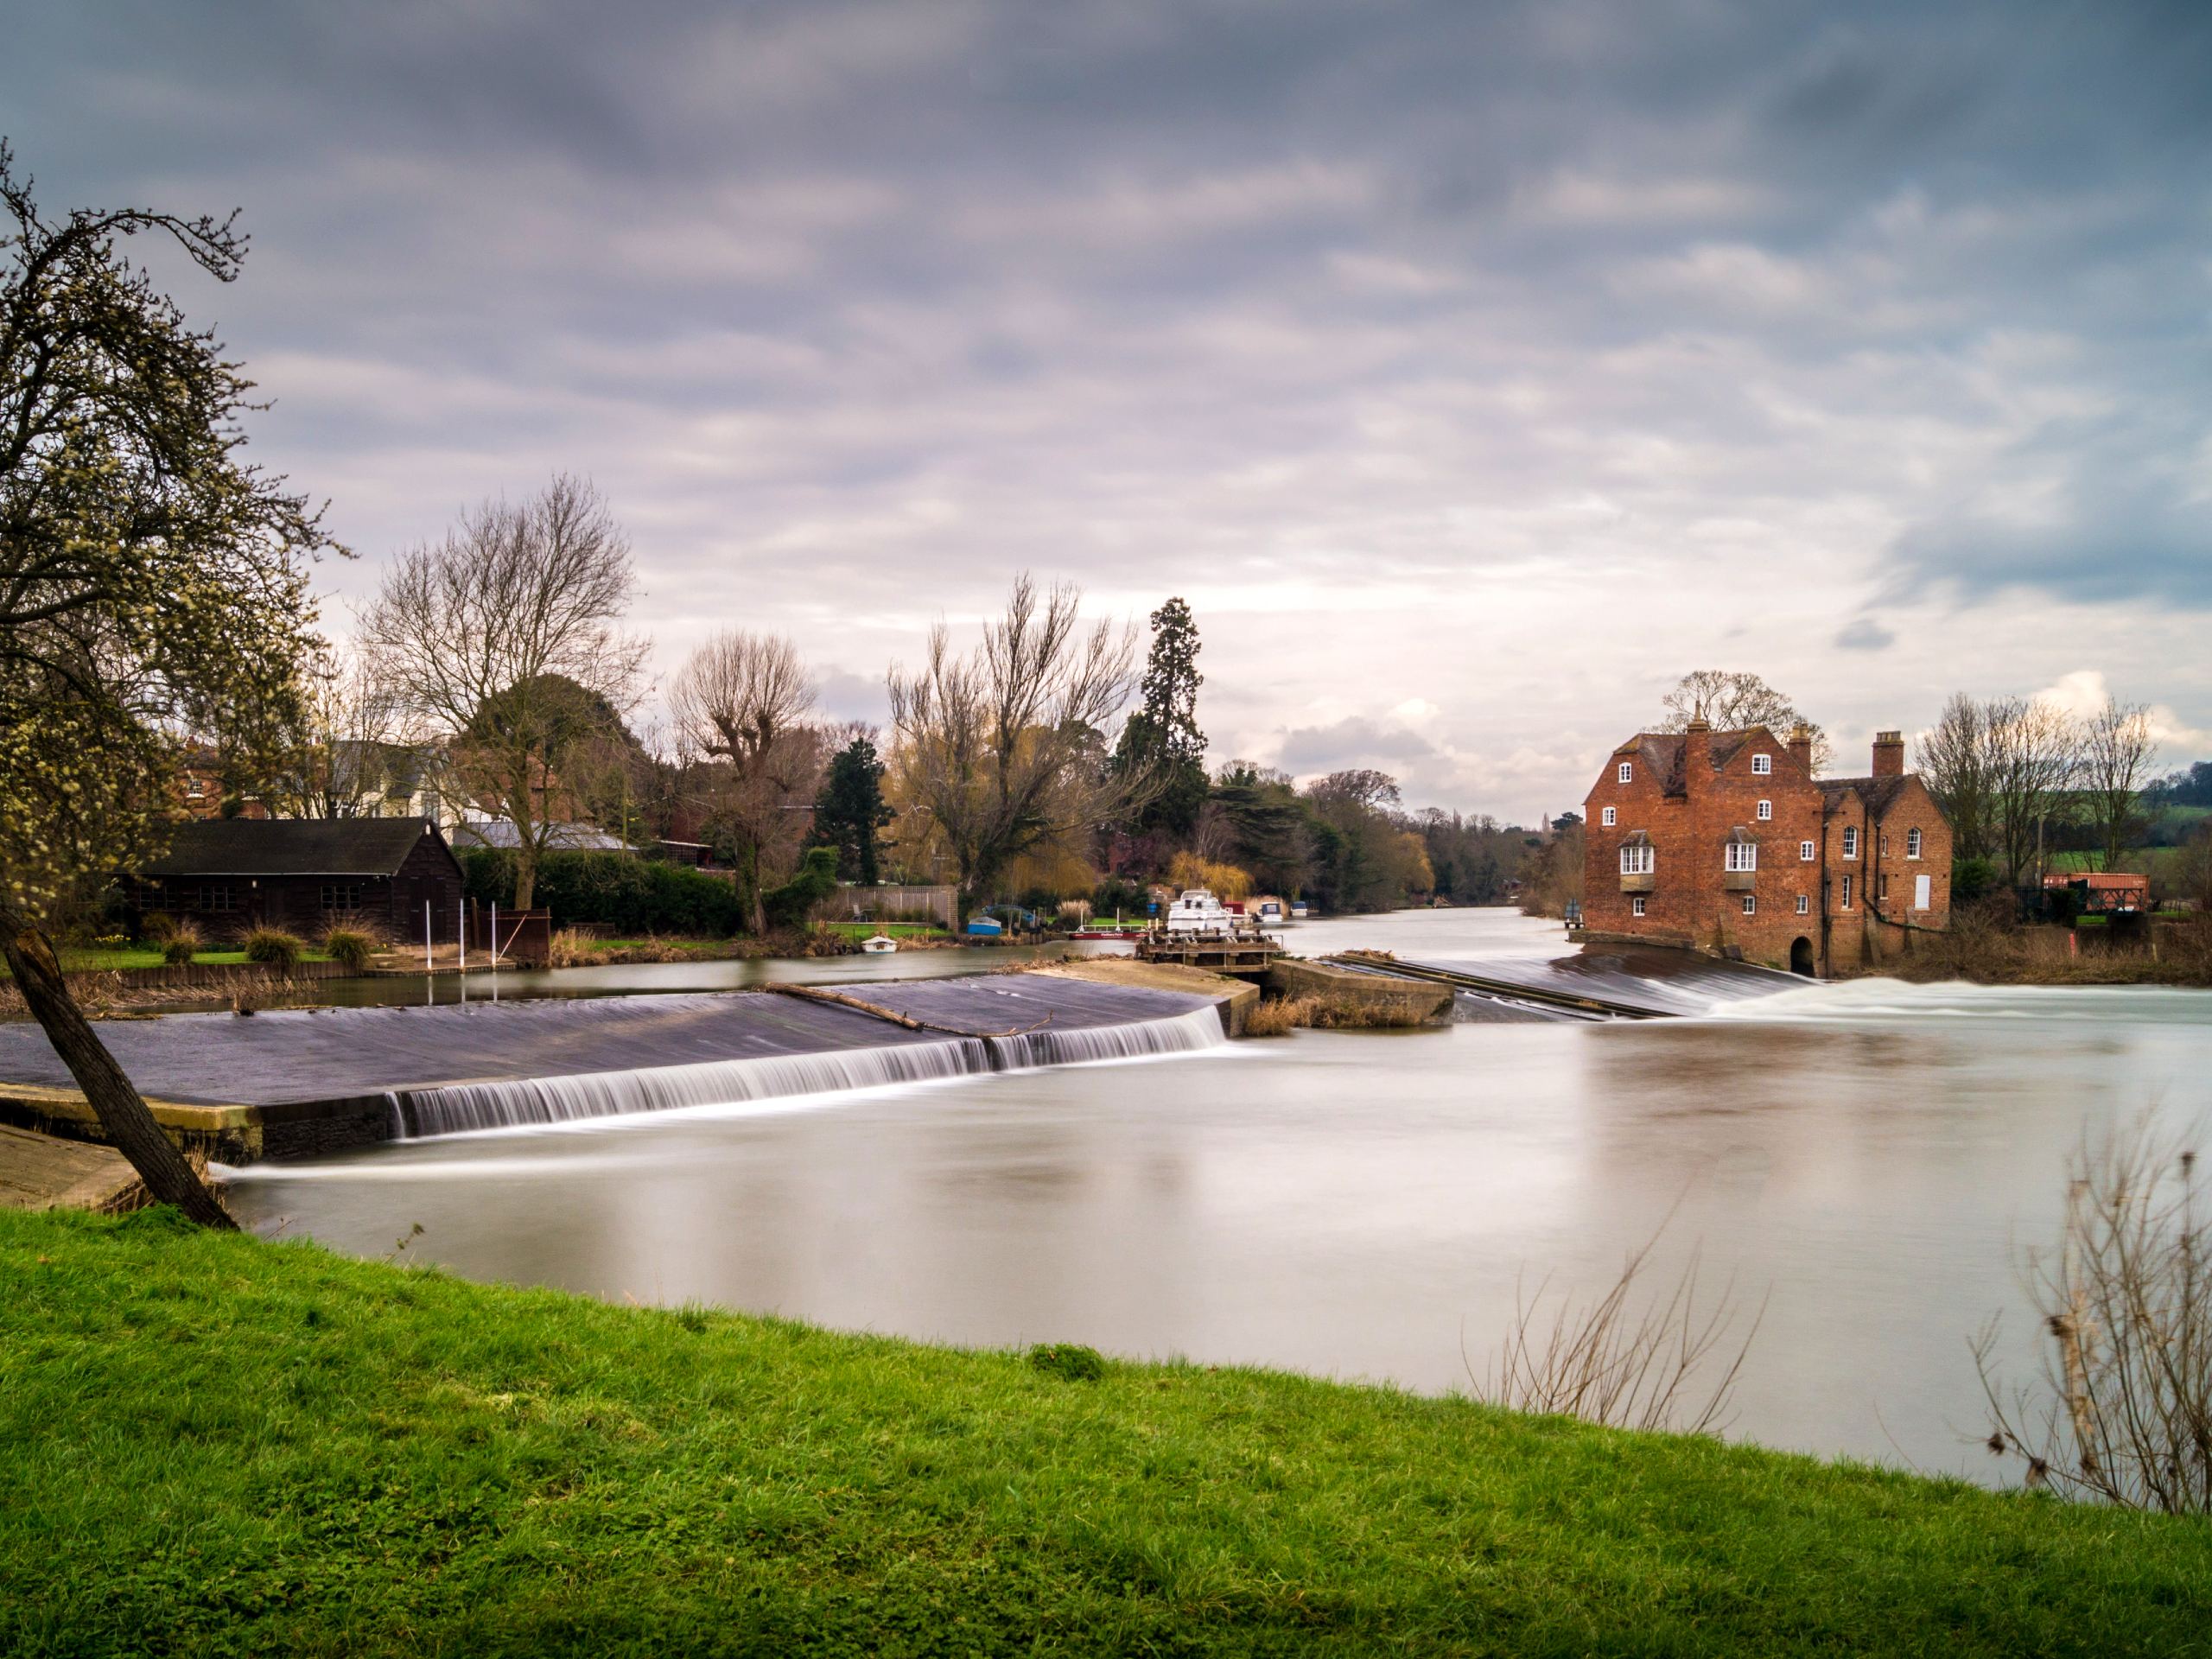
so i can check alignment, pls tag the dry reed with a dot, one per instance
(2123, 1412)
(1623, 1360)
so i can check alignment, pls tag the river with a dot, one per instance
(1867, 1160)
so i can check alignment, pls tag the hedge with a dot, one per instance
(619, 891)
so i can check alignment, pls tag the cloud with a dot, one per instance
(1474, 370)
(1863, 633)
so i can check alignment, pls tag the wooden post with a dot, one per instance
(429, 959)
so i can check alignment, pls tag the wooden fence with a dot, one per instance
(888, 903)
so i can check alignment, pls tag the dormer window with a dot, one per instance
(1742, 854)
(1762, 764)
(1627, 773)
(1609, 817)
(1766, 810)
(1851, 841)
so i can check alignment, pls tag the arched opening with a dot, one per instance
(1801, 956)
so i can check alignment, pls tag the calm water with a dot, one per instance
(1870, 1158)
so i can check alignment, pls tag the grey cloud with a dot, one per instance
(1863, 633)
(1354, 742)
(1446, 316)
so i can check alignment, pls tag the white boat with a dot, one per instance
(883, 944)
(1298, 910)
(1270, 912)
(1198, 911)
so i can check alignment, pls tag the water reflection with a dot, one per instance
(1360, 1205)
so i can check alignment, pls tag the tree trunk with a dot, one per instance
(757, 906)
(128, 1124)
(525, 872)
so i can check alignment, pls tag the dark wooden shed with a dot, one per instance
(304, 874)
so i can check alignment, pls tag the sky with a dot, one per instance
(1474, 370)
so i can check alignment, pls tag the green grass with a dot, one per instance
(104, 958)
(219, 1445)
(891, 930)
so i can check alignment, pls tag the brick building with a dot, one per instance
(1726, 842)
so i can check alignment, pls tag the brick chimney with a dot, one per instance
(1697, 755)
(1801, 746)
(1889, 754)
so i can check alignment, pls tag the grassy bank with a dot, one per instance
(219, 1445)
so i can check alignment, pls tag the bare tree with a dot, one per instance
(340, 760)
(2035, 763)
(2125, 1411)
(1732, 701)
(2115, 764)
(744, 699)
(503, 641)
(1956, 759)
(1005, 749)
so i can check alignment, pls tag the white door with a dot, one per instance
(1920, 892)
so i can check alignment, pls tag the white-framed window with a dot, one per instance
(1762, 764)
(1636, 858)
(1912, 843)
(1627, 772)
(1751, 904)
(1851, 841)
(1610, 818)
(1636, 905)
(1766, 810)
(1742, 855)
(1804, 904)
(1847, 892)
(1807, 852)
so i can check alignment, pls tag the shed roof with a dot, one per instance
(289, 847)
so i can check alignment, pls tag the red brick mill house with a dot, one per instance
(1725, 841)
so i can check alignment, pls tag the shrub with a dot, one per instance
(1114, 894)
(1070, 1361)
(183, 943)
(350, 945)
(629, 895)
(159, 928)
(273, 946)
(787, 905)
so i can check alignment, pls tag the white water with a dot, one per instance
(463, 1108)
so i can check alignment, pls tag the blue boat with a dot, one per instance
(984, 927)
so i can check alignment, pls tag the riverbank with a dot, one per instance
(214, 1444)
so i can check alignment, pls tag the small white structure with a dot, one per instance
(1198, 911)
(880, 944)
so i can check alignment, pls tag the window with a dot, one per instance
(1884, 842)
(1847, 892)
(1912, 845)
(1766, 810)
(1751, 904)
(1851, 841)
(1611, 818)
(1742, 855)
(1883, 889)
(1807, 852)
(1762, 764)
(341, 895)
(1804, 904)
(1636, 858)
(1636, 905)
(1627, 772)
(215, 897)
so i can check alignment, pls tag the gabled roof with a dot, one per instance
(289, 847)
(1879, 793)
(1661, 753)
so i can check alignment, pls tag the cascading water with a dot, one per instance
(456, 1109)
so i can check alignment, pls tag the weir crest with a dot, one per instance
(455, 1108)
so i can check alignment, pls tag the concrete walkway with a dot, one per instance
(39, 1172)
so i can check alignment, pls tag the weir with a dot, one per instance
(459, 1108)
(302, 1081)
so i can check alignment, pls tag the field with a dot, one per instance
(221, 1445)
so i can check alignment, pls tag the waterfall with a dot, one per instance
(456, 1108)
